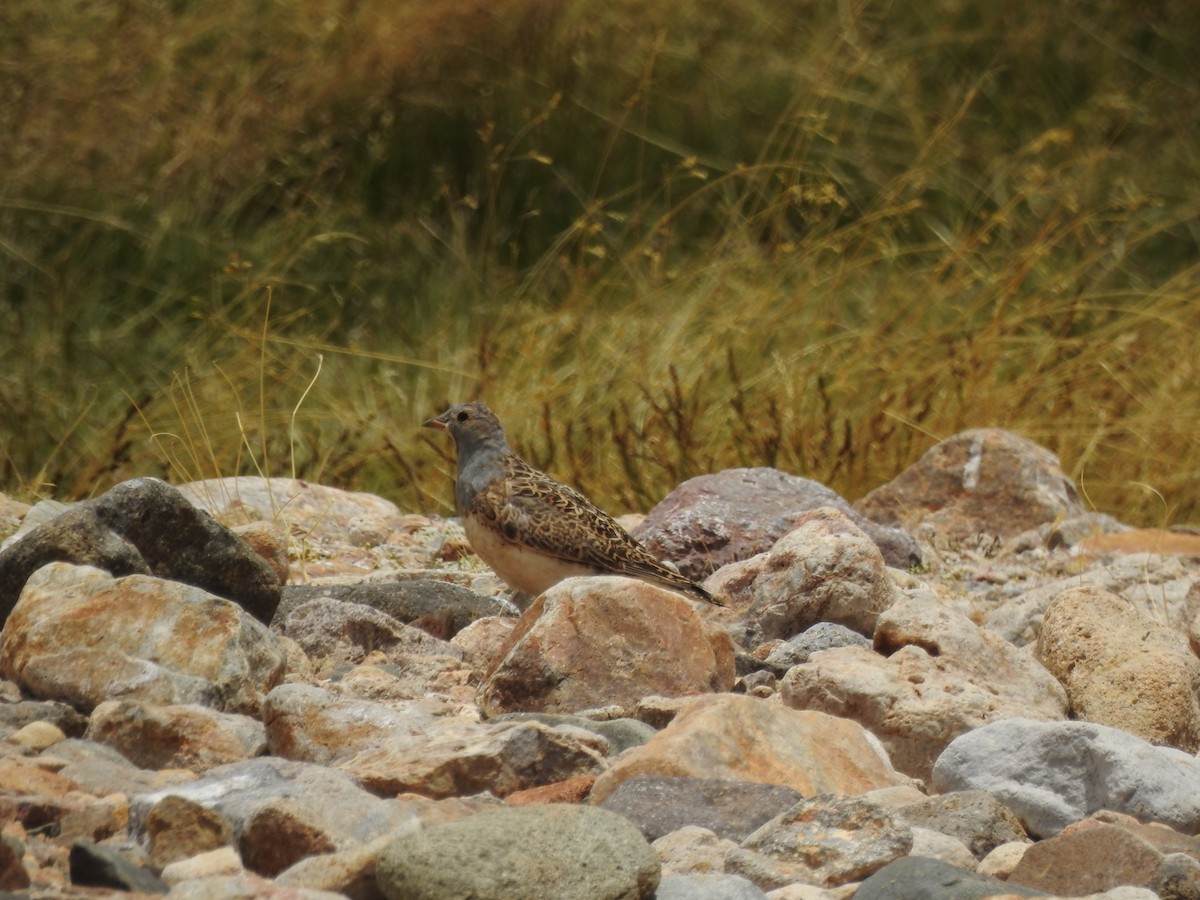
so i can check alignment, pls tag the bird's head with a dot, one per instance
(472, 425)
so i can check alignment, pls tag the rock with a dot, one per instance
(1003, 859)
(332, 633)
(936, 845)
(1051, 774)
(308, 508)
(621, 734)
(101, 770)
(145, 527)
(729, 809)
(919, 878)
(439, 608)
(606, 640)
(921, 619)
(944, 676)
(738, 738)
(13, 876)
(244, 886)
(348, 873)
(82, 636)
(1093, 859)
(976, 818)
(1165, 588)
(566, 852)
(316, 725)
(1160, 541)
(98, 866)
(15, 716)
(983, 481)
(392, 750)
(176, 737)
(712, 520)
(1121, 668)
(500, 758)
(36, 737)
(826, 841)
(692, 850)
(212, 864)
(482, 642)
(1177, 878)
(283, 811)
(707, 887)
(572, 790)
(821, 636)
(177, 828)
(824, 570)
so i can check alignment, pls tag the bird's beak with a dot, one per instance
(438, 422)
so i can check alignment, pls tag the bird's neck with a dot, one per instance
(478, 466)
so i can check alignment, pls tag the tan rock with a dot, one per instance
(211, 864)
(79, 635)
(469, 759)
(350, 873)
(692, 850)
(914, 702)
(1121, 668)
(1000, 862)
(176, 737)
(984, 481)
(826, 569)
(590, 642)
(740, 738)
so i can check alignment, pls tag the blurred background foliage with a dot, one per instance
(659, 238)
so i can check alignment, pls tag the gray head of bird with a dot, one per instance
(473, 427)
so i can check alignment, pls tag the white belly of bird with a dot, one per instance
(519, 567)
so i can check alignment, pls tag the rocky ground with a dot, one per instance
(965, 685)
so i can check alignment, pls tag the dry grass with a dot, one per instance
(659, 240)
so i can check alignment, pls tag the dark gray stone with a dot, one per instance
(730, 809)
(145, 527)
(713, 520)
(822, 636)
(95, 865)
(621, 734)
(976, 818)
(437, 607)
(921, 878)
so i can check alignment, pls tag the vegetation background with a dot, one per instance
(659, 238)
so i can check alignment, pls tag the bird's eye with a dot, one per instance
(463, 416)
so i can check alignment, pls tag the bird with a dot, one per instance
(531, 529)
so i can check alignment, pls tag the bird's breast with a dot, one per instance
(518, 565)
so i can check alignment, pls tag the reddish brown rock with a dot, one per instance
(573, 790)
(1088, 861)
(1121, 668)
(177, 828)
(590, 642)
(713, 520)
(739, 738)
(984, 481)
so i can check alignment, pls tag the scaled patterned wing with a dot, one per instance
(554, 519)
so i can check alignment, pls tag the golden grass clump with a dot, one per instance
(659, 239)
